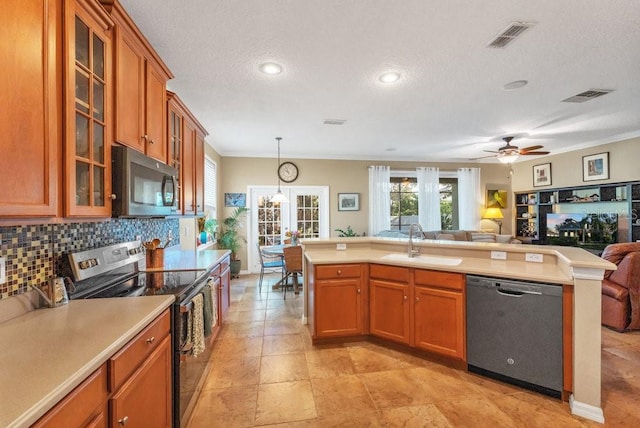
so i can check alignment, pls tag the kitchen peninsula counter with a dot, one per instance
(578, 271)
(48, 352)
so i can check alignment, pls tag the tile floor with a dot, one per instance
(267, 373)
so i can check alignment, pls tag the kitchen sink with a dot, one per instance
(424, 259)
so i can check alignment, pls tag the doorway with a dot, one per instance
(307, 212)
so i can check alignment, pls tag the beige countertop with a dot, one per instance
(175, 258)
(48, 352)
(475, 257)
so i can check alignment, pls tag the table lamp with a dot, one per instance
(494, 214)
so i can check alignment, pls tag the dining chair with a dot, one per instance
(269, 262)
(292, 267)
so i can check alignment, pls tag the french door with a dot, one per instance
(307, 212)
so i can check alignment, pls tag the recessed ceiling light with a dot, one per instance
(271, 68)
(516, 84)
(389, 77)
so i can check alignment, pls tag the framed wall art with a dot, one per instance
(496, 198)
(542, 175)
(235, 200)
(348, 201)
(595, 167)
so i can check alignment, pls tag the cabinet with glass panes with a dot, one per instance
(88, 110)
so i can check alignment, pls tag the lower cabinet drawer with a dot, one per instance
(84, 406)
(337, 271)
(434, 278)
(127, 360)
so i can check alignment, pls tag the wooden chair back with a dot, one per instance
(293, 258)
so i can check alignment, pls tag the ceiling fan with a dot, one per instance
(509, 153)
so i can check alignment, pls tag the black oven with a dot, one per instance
(119, 271)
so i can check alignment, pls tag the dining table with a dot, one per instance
(278, 251)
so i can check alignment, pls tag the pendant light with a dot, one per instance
(279, 197)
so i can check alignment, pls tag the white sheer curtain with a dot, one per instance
(469, 198)
(429, 198)
(379, 199)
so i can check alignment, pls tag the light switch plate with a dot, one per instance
(341, 246)
(3, 270)
(499, 255)
(533, 257)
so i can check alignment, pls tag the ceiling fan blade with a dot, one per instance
(484, 157)
(491, 151)
(534, 153)
(528, 149)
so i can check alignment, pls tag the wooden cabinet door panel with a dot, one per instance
(338, 308)
(390, 310)
(188, 173)
(145, 399)
(155, 115)
(130, 77)
(198, 166)
(439, 321)
(29, 84)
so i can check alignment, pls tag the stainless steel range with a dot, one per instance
(119, 270)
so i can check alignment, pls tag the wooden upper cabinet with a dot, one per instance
(88, 109)
(140, 88)
(30, 84)
(186, 153)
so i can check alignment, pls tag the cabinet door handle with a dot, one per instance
(151, 142)
(113, 196)
(123, 421)
(358, 291)
(405, 297)
(151, 339)
(339, 272)
(145, 137)
(417, 299)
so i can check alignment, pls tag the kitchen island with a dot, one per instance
(345, 288)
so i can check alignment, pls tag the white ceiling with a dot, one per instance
(449, 104)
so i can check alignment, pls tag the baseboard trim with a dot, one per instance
(305, 320)
(586, 410)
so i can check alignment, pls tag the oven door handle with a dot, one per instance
(186, 307)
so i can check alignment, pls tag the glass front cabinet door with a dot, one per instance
(87, 110)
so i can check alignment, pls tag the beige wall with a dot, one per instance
(566, 168)
(342, 177)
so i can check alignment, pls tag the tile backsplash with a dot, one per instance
(33, 253)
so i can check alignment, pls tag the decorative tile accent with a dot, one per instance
(34, 253)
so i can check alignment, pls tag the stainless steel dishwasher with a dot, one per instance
(514, 332)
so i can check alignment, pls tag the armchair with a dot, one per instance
(621, 288)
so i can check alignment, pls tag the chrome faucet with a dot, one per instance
(410, 250)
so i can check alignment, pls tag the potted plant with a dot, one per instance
(231, 239)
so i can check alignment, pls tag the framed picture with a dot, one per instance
(595, 167)
(542, 175)
(348, 201)
(235, 199)
(496, 198)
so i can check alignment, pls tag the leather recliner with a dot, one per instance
(621, 287)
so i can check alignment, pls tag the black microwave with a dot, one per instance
(143, 186)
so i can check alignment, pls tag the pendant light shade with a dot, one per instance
(279, 197)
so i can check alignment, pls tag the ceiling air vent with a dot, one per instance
(509, 34)
(334, 121)
(587, 95)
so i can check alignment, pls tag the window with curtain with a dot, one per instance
(210, 187)
(405, 201)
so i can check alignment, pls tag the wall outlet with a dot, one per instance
(3, 270)
(499, 255)
(341, 246)
(533, 257)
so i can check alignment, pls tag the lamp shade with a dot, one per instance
(493, 213)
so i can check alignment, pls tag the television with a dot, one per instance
(587, 230)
